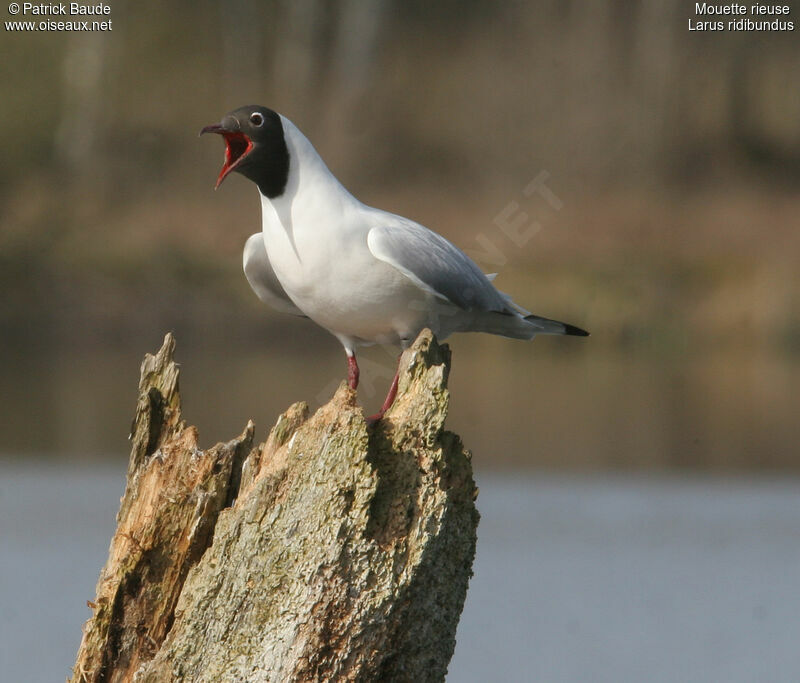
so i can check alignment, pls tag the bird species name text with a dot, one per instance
(756, 17)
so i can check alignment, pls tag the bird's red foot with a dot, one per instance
(352, 372)
(372, 419)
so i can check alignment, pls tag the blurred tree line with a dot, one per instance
(617, 90)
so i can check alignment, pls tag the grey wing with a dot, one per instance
(436, 266)
(259, 273)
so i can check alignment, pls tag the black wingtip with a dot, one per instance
(550, 326)
(574, 331)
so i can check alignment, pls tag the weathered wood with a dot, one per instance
(333, 551)
(165, 523)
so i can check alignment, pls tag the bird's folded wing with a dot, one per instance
(435, 265)
(262, 279)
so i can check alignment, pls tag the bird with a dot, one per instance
(366, 275)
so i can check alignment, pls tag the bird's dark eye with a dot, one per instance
(257, 119)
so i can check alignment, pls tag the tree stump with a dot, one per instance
(333, 551)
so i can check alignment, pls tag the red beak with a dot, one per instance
(237, 147)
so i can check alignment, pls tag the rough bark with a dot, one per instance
(333, 551)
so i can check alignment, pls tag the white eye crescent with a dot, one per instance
(257, 119)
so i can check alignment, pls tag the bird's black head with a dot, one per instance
(255, 147)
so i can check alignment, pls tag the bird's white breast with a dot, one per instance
(319, 252)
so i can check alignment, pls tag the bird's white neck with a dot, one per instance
(310, 187)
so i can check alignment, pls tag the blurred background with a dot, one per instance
(638, 488)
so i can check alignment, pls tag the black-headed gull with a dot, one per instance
(365, 275)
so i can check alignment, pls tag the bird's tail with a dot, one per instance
(518, 326)
(525, 325)
(547, 326)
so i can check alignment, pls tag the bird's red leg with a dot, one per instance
(352, 372)
(372, 419)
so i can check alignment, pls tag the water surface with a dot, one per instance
(576, 579)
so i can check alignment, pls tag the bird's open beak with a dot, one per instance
(237, 147)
